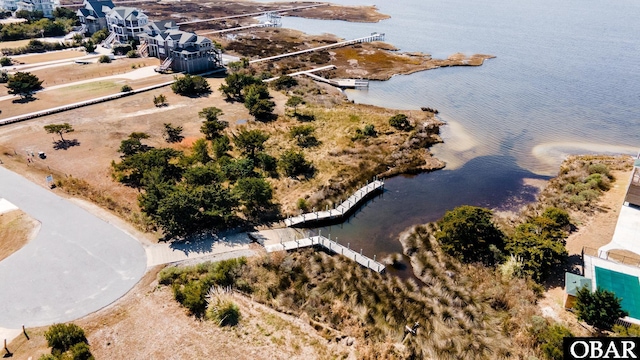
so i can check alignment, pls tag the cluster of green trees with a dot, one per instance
(36, 46)
(191, 85)
(469, 234)
(206, 189)
(35, 27)
(67, 341)
(250, 90)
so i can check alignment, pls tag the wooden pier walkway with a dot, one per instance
(373, 37)
(331, 246)
(342, 210)
(343, 83)
(249, 14)
(327, 67)
(240, 28)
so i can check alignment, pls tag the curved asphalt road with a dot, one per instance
(76, 265)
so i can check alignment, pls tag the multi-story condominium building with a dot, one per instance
(126, 23)
(183, 51)
(93, 15)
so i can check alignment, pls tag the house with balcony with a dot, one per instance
(46, 6)
(93, 15)
(182, 51)
(126, 23)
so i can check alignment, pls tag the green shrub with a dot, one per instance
(61, 337)
(4, 77)
(100, 35)
(400, 122)
(104, 59)
(132, 54)
(569, 188)
(224, 312)
(192, 296)
(631, 331)
(599, 169)
(5, 61)
(190, 85)
(589, 195)
(81, 351)
(126, 88)
(302, 204)
(293, 163)
(551, 341)
(122, 49)
(600, 308)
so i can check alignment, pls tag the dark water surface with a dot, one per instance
(566, 80)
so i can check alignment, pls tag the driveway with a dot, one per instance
(76, 265)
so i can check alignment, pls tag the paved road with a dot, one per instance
(77, 263)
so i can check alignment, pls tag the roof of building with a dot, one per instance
(163, 25)
(182, 37)
(574, 282)
(127, 13)
(96, 8)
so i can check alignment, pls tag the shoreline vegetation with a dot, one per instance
(473, 306)
(468, 310)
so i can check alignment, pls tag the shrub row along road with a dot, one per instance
(76, 264)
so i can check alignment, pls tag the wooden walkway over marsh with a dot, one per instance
(373, 37)
(250, 14)
(340, 211)
(331, 246)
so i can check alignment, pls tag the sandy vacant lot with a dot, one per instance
(100, 128)
(148, 324)
(16, 229)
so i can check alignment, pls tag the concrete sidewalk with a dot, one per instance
(166, 253)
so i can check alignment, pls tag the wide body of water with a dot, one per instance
(566, 80)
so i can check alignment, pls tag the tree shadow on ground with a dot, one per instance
(305, 117)
(24, 100)
(205, 242)
(65, 144)
(556, 278)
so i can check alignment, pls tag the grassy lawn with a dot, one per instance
(49, 56)
(14, 44)
(77, 72)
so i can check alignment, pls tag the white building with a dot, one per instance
(46, 6)
(126, 23)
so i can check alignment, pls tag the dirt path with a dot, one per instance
(597, 230)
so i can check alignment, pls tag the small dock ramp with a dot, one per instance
(340, 211)
(330, 245)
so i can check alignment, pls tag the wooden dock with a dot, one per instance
(234, 29)
(373, 37)
(342, 83)
(327, 67)
(250, 14)
(331, 246)
(340, 211)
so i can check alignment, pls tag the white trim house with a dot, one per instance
(127, 23)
